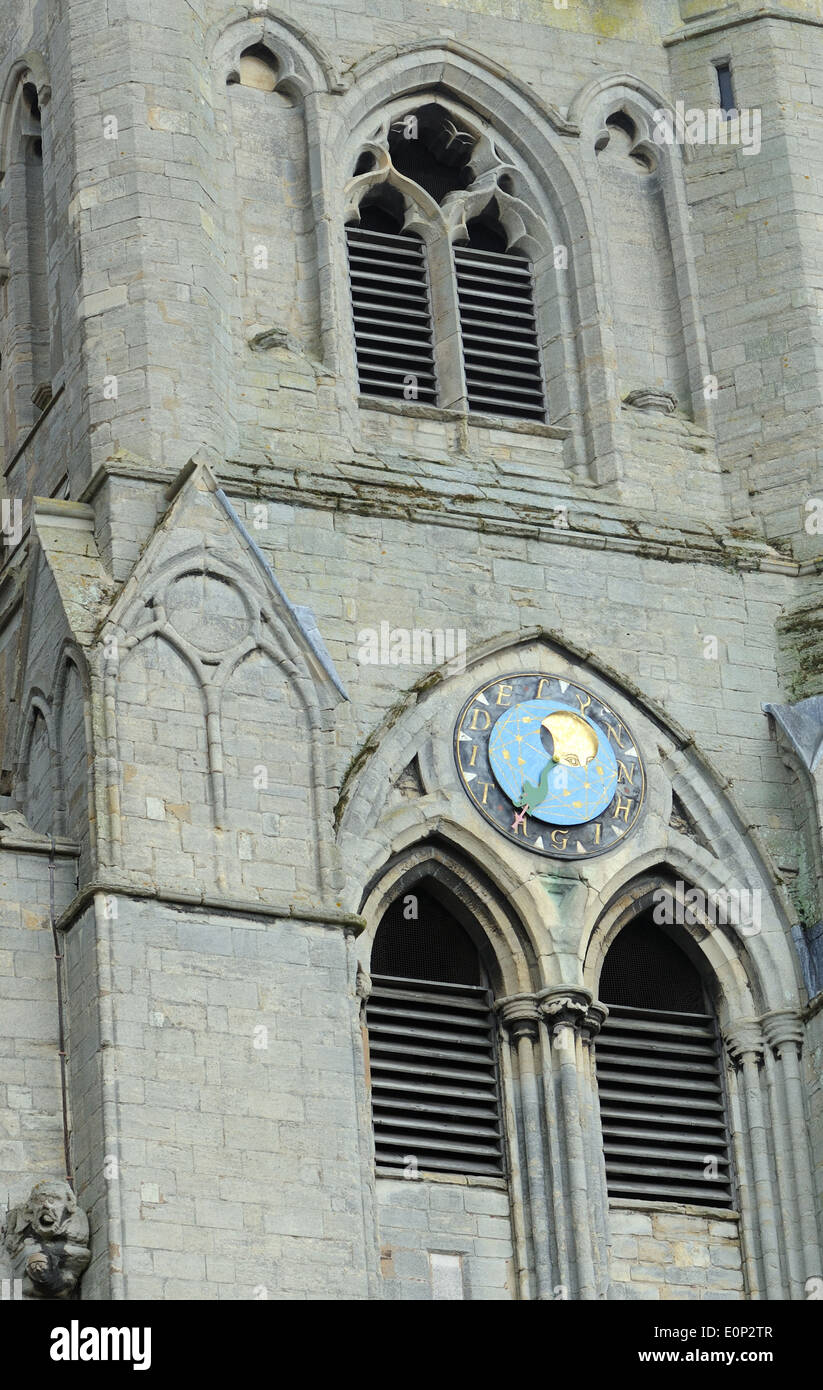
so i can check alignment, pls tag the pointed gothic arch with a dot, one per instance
(573, 325)
(73, 737)
(659, 198)
(38, 782)
(31, 348)
(303, 64)
(472, 895)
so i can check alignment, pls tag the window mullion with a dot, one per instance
(446, 317)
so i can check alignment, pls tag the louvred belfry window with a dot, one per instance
(660, 1081)
(432, 1051)
(389, 281)
(498, 326)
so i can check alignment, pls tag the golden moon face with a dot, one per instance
(575, 743)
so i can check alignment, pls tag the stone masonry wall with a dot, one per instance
(674, 1254)
(226, 1068)
(219, 1107)
(31, 1117)
(418, 1218)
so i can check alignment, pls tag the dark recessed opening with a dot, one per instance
(486, 233)
(725, 88)
(427, 147)
(620, 121)
(659, 1074)
(432, 1044)
(645, 969)
(429, 945)
(382, 210)
(365, 163)
(31, 100)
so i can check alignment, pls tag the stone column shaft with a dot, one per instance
(511, 1121)
(555, 1181)
(783, 1029)
(745, 1044)
(565, 1014)
(520, 1018)
(749, 1248)
(783, 1141)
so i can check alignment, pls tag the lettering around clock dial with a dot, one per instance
(550, 765)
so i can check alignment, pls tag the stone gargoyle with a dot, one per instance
(47, 1239)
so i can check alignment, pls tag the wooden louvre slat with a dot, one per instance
(496, 303)
(662, 1107)
(435, 1095)
(388, 279)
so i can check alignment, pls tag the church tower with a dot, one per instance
(411, 672)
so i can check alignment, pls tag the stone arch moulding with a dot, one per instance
(132, 647)
(591, 107)
(532, 138)
(471, 893)
(31, 66)
(38, 708)
(25, 248)
(737, 970)
(304, 65)
(559, 901)
(797, 731)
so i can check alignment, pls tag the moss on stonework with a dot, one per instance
(800, 637)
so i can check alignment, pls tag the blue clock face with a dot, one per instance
(550, 765)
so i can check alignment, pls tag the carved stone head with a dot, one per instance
(50, 1206)
(47, 1237)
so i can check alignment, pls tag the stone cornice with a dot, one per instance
(355, 487)
(46, 848)
(208, 902)
(734, 19)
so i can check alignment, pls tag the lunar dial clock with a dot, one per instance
(549, 765)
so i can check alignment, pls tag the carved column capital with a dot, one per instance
(594, 1020)
(562, 1009)
(519, 1015)
(783, 1028)
(744, 1040)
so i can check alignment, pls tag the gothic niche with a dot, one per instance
(47, 1239)
(256, 67)
(648, 329)
(267, 148)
